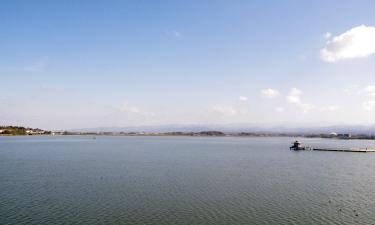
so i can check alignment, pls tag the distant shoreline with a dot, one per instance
(199, 134)
(23, 131)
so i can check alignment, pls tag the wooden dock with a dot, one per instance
(364, 150)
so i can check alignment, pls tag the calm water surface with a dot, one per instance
(183, 180)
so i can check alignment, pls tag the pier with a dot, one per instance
(297, 146)
(364, 150)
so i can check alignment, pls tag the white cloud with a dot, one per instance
(225, 110)
(125, 108)
(270, 93)
(279, 109)
(369, 90)
(358, 42)
(305, 107)
(366, 93)
(327, 35)
(353, 90)
(369, 105)
(330, 108)
(294, 97)
(242, 98)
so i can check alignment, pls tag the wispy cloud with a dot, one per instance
(353, 90)
(35, 67)
(224, 110)
(368, 90)
(305, 107)
(270, 93)
(51, 88)
(174, 33)
(294, 97)
(330, 108)
(126, 108)
(279, 109)
(327, 35)
(242, 98)
(357, 42)
(365, 94)
(369, 105)
(39, 66)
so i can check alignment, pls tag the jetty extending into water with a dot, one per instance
(364, 150)
(297, 146)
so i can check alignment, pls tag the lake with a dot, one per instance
(183, 180)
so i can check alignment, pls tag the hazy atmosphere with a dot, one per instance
(77, 64)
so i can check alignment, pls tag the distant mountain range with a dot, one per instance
(231, 128)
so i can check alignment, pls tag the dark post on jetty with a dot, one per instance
(297, 146)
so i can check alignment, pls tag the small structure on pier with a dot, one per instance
(297, 145)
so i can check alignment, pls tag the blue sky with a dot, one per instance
(72, 64)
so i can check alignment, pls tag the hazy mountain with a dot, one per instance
(353, 129)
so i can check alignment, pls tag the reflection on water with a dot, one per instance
(183, 180)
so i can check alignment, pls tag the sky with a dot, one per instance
(78, 64)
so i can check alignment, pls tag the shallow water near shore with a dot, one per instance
(183, 180)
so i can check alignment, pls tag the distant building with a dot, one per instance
(34, 132)
(344, 135)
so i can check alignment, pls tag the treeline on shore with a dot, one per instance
(17, 130)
